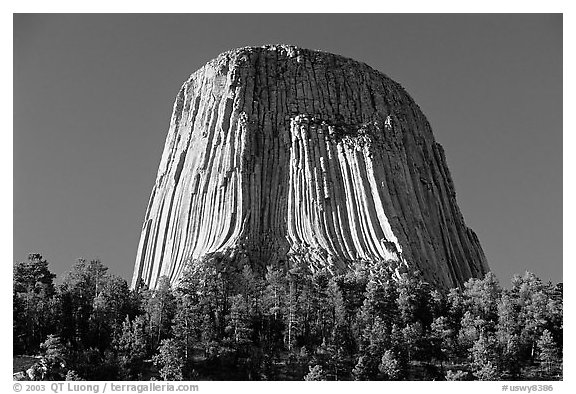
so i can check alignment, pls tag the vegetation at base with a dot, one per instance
(224, 321)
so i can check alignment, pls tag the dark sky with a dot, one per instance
(93, 96)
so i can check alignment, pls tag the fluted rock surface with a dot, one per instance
(281, 153)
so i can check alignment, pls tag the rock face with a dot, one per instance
(280, 153)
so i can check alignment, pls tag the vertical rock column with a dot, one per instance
(334, 204)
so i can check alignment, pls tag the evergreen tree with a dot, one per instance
(169, 359)
(274, 306)
(413, 335)
(456, 309)
(160, 309)
(438, 303)
(33, 276)
(380, 299)
(413, 300)
(508, 334)
(131, 348)
(294, 319)
(346, 299)
(337, 362)
(33, 303)
(485, 356)
(201, 306)
(77, 294)
(512, 356)
(389, 366)
(555, 312)
(321, 314)
(362, 370)
(548, 354)
(187, 323)
(470, 331)
(238, 328)
(252, 289)
(481, 299)
(55, 360)
(442, 339)
(366, 324)
(110, 306)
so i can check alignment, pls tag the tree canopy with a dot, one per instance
(226, 319)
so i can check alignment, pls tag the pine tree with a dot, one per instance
(337, 362)
(470, 331)
(530, 294)
(442, 339)
(131, 347)
(169, 359)
(548, 354)
(380, 299)
(362, 370)
(160, 308)
(481, 299)
(252, 289)
(508, 332)
(293, 316)
(187, 325)
(346, 298)
(238, 322)
(110, 306)
(322, 314)
(78, 292)
(34, 303)
(486, 358)
(390, 366)
(55, 360)
(413, 335)
(207, 293)
(274, 306)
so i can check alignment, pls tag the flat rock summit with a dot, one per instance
(279, 154)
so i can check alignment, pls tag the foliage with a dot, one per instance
(33, 303)
(485, 357)
(169, 360)
(72, 375)
(548, 354)
(456, 375)
(230, 319)
(54, 363)
(130, 346)
(316, 373)
(390, 366)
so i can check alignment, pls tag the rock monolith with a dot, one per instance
(281, 154)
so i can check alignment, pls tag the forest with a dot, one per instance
(227, 321)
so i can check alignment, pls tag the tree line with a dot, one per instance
(227, 321)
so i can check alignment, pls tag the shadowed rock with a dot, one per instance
(282, 154)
